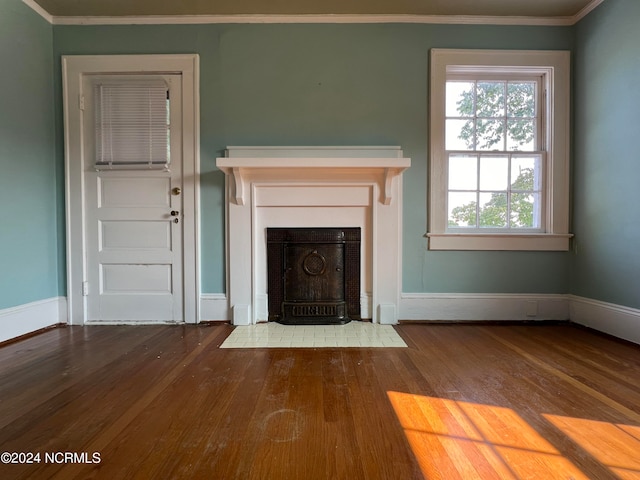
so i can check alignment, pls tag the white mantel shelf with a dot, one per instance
(240, 161)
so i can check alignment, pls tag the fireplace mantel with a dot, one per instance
(242, 161)
(313, 187)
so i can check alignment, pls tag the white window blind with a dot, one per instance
(132, 128)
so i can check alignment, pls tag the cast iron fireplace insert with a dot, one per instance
(313, 275)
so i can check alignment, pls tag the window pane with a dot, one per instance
(493, 210)
(490, 99)
(494, 173)
(459, 135)
(521, 99)
(525, 209)
(521, 135)
(462, 209)
(460, 99)
(490, 135)
(526, 173)
(463, 172)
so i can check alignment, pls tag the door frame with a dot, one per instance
(74, 67)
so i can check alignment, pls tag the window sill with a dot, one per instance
(495, 241)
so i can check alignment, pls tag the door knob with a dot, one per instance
(176, 191)
(175, 213)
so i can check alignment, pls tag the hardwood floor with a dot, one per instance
(461, 402)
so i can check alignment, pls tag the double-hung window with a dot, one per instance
(499, 150)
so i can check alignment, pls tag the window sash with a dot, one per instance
(536, 191)
(538, 119)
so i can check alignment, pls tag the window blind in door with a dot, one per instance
(132, 125)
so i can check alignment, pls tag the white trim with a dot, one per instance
(73, 69)
(555, 67)
(505, 242)
(619, 321)
(387, 314)
(483, 307)
(316, 19)
(586, 10)
(214, 307)
(366, 193)
(39, 10)
(366, 305)
(350, 152)
(31, 317)
(241, 314)
(238, 167)
(313, 19)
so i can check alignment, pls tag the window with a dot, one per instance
(499, 150)
(132, 124)
(493, 154)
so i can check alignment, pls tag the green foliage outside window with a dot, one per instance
(501, 117)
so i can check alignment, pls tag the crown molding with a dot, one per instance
(314, 19)
(586, 10)
(39, 10)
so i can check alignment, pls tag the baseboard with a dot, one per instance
(482, 307)
(30, 317)
(214, 307)
(616, 320)
(619, 321)
(366, 305)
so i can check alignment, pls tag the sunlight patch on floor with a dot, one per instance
(614, 445)
(462, 440)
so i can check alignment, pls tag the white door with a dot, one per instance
(133, 224)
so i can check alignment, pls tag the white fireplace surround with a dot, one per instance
(314, 187)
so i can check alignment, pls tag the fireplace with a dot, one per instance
(314, 188)
(313, 275)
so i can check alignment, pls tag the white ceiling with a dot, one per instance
(484, 11)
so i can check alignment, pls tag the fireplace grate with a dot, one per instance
(313, 275)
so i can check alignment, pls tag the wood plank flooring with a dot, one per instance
(461, 402)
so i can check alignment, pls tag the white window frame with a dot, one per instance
(554, 66)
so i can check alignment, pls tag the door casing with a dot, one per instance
(74, 68)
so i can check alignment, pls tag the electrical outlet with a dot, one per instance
(532, 309)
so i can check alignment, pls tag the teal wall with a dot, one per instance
(325, 85)
(29, 240)
(606, 265)
(331, 85)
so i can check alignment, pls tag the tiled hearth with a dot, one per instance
(275, 335)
